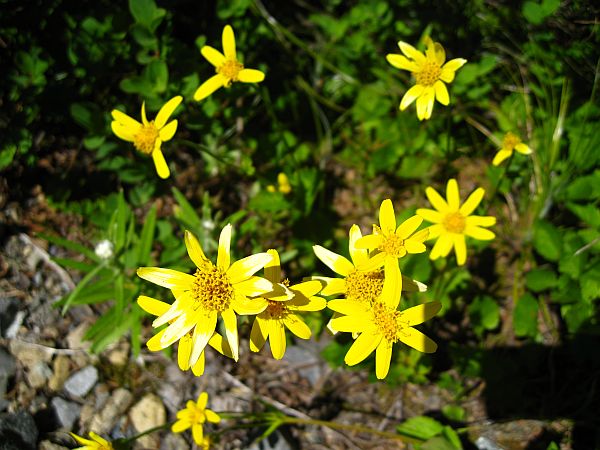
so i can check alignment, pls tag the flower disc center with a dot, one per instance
(393, 245)
(509, 141)
(145, 138)
(454, 222)
(386, 320)
(230, 70)
(277, 310)
(364, 286)
(429, 74)
(212, 289)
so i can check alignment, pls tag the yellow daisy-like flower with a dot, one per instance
(148, 136)
(453, 222)
(380, 325)
(282, 311)
(158, 308)
(510, 143)
(193, 416)
(214, 290)
(95, 443)
(362, 279)
(227, 66)
(430, 70)
(391, 243)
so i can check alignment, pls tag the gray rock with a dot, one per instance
(275, 441)
(8, 368)
(483, 443)
(66, 412)
(18, 431)
(308, 362)
(174, 441)
(29, 353)
(115, 407)
(48, 445)
(8, 313)
(38, 374)
(80, 383)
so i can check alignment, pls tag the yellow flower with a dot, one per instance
(193, 416)
(391, 243)
(510, 143)
(362, 279)
(214, 290)
(283, 184)
(453, 222)
(95, 443)
(381, 325)
(158, 308)
(227, 66)
(147, 137)
(430, 71)
(282, 310)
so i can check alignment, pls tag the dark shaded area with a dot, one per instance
(17, 431)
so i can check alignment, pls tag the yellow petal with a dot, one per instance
(251, 76)
(313, 304)
(436, 200)
(441, 93)
(276, 338)
(447, 76)
(198, 433)
(440, 53)
(425, 103)
(348, 307)
(213, 56)
(125, 120)
(434, 231)
(350, 324)
(221, 345)
(273, 267)
(246, 267)
(392, 284)
(442, 246)
(357, 255)
(420, 313)
(412, 52)
(122, 131)
(401, 62)
(297, 326)
(168, 278)
(452, 195)
(194, 250)
(258, 334)
(82, 440)
(372, 263)
(228, 40)
(203, 331)
(165, 112)
(209, 86)
(335, 262)
(167, 132)
(223, 255)
(184, 352)
(371, 241)
(472, 202)
(231, 331)
(144, 118)
(307, 289)
(162, 169)
(414, 247)
(454, 64)
(411, 95)
(176, 331)
(180, 426)
(362, 347)
(245, 306)
(479, 233)
(335, 286)
(460, 249)
(383, 356)
(198, 368)
(501, 156)
(409, 226)
(254, 286)
(387, 218)
(481, 221)
(417, 340)
(154, 344)
(212, 416)
(430, 215)
(152, 305)
(523, 148)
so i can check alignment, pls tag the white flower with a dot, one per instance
(104, 249)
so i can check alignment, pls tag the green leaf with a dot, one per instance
(143, 11)
(420, 427)
(535, 13)
(584, 188)
(525, 316)
(485, 311)
(452, 436)
(590, 284)
(6, 155)
(119, 293)
(158, 75)
(438, 443)
(547, 240)
(186, 213)
(541, 279)
(74, 264)
(146, 237)
(120, 223)
(454, 412)
(74, 246)
(589, 213)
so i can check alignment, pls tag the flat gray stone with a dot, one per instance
(18, 431)
(66, 412)
(82, 381)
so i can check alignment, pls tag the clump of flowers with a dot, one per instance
(283, 310)
(510, 143)
(283, 184)
(193, 416)
(229, 69)
(148, 136)
(430, 70)
(453, 222)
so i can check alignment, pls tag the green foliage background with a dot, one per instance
(327, 116)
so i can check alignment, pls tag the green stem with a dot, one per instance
(151, 430)
(501, 177)
(201, 148)
(355, 428)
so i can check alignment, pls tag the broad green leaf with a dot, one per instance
(525, 316)
(143, 11)
(420, 427)
(547, 240)
(6, 155)
(541, 279)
